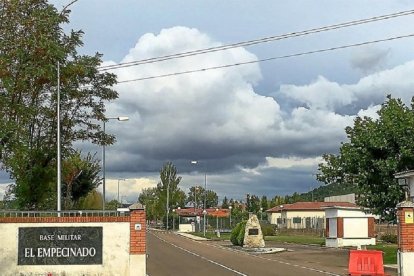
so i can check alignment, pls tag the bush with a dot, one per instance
(237, 234)
(389, 238)
(267, 229)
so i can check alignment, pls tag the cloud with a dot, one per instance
(323, 94)
(129, 189)
(247, 141)
(369, 59)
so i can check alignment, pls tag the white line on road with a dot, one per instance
(274, 260)
(204, 258)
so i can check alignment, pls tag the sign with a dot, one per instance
(198, 219)
(253, 232)
(59, 245)
(409, 217)
(138, 226)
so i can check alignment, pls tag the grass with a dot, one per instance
(213, 236)
(390, 251)
(297, 239)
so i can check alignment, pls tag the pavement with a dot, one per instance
(389, 268)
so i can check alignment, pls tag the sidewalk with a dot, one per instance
(190, 236)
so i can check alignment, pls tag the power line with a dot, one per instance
(268, 59)
(257, 41)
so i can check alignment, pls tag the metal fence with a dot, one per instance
(74, 213)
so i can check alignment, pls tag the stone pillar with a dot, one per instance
(405, 253)
(137, 252)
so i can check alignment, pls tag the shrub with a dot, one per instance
(389, 238)
(267, 229)
(237, 234)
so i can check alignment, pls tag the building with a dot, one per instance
(191, 219)
(302, 215)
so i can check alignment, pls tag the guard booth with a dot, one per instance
(349, 226)
(189, 219)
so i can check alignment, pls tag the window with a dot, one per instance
(297, 220)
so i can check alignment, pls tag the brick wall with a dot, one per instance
(406, 232)
(137, 237)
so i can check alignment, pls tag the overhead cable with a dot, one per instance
(257, 41)
(267, 59)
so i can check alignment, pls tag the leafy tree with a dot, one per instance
(264, 204)
(112, 205)
(80, 176)
(196, 194)
(169, 181)
(225, 203)
(32, 42)
(92, 201)
(211, 199)
(375, 151)
(253, 203)
(149, 197)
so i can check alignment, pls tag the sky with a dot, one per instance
(256, 129)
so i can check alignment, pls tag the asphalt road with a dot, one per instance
(171, 254)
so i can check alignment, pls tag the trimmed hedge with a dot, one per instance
(389, 238)
(237, 234)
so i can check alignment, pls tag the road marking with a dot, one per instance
(273, 260)
(202, 257)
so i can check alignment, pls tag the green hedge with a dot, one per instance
(389, 238)
(237, 234)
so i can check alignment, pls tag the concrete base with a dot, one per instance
(341, 242)
(405, 263)
(137, 264)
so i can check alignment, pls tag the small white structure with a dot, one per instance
(186, 228)
(348, 226)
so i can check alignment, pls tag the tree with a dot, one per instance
(80, 176)
(225, 203)
(169, 181)
(92, 201)
(196, 194)
(253, 203)
(149, 197)
(375, 151)
(211, 199)
(264, 204)
(32, 43)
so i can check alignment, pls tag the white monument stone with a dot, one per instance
(253, 236)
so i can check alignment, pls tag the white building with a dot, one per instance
(302, 215)
(349, 226)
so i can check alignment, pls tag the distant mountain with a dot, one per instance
(321, 192)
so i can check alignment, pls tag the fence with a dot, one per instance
(83, 213)
(385, 229)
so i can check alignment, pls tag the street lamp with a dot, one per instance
(119, 179)
(195, 162)
(179, 218)
(122, 118)
(230, 207)
(173, 219)
(217, 227)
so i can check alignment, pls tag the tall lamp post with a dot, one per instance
(230, 207)
(173, 220)
(217, 226)
(195, 162)
(121, 119)
(120, 179)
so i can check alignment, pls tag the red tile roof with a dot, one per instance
(190, 212)
(311, 206)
